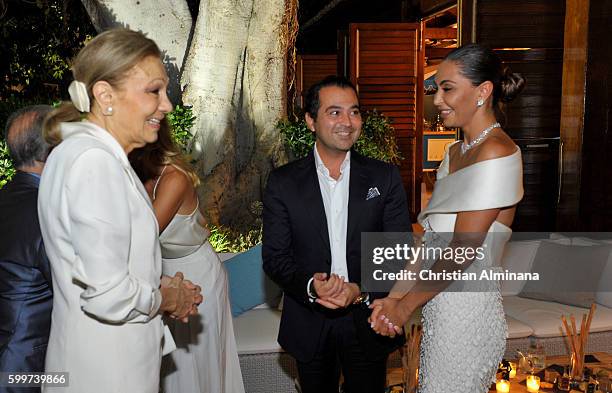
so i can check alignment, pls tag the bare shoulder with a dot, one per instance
(496, 146)
(174, 179)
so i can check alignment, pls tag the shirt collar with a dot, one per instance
(321, 166)
(36, 175)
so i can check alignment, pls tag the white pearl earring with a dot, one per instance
(109, 111)
(480, 102)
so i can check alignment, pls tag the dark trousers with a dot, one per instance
(339, 350)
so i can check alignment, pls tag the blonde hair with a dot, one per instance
(148, 159)
(108, 57)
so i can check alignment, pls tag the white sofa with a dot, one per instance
(536, 321)
(267, 368)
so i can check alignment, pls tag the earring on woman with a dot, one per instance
(480, 102)
(109, 111)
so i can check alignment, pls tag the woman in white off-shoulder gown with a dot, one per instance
(206, 359)
(478, 185)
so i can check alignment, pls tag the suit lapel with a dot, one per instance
(313, 202)
(358, 189)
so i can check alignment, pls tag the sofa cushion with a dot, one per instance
(249, 286)
(517, 329)
(569, 274)
(256, 331)
(603, 295)
(518, 257)
(545, 317)
(604, 289)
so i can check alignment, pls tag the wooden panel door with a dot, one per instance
(386, 66)
(595, 209)
(310, 69)
(528, 36)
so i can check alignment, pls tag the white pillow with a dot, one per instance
(603, 295)
(518, 257)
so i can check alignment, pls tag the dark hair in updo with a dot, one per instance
(480, 64)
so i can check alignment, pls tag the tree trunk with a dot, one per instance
(233, 76)
(237, 90)
(167, 22)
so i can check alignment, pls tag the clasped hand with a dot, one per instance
(334, 292)
(388, 316)
(180, 297)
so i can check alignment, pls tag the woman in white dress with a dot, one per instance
(98, 225)
(206, 359)
(473, 204)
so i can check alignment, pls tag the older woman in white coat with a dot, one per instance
(98, 225)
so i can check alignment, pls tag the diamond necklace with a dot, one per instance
(467, 146)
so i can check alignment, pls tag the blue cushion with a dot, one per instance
(248, 284)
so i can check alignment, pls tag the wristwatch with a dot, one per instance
(363, 298)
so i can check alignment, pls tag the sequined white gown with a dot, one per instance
(464, 330)
(206, 359)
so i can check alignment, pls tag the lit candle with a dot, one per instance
(502, 386)
(512, 370)
(533, 384)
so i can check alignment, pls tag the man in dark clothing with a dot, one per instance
(25, 278)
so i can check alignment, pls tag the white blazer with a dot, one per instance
(101, 237)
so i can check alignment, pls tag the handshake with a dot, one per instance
(180, 297)
(333, 292)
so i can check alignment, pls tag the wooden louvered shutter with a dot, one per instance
(386, 66)
(310, 69)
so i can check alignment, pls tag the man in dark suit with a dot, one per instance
(315, 210)
(25, 279)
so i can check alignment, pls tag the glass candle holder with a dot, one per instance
(533, 384)
(502, 386)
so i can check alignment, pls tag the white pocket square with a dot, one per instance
(372, 193)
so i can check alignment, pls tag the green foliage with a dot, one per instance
(38, 39)
(181, 120)
(298, 138)
(225, 239)
(377, 138)
(6, 165)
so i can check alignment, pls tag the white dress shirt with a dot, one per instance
(335, 194)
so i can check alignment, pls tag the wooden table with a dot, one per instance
(605, 362)
(394, 375)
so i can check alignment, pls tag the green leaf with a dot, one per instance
(181, 120)
(7, 171)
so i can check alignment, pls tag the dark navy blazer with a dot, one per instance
(25, 279)
(296, 244)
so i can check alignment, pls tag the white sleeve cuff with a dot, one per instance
(156, 299)
(311, 297)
